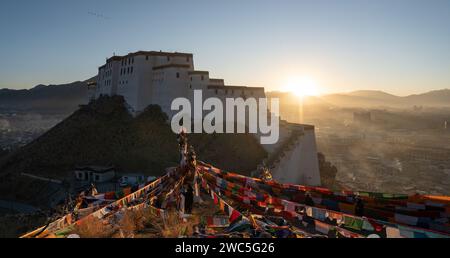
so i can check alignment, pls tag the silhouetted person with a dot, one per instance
(359, 207)
(188, 199)
(158, 201)
(308, 200)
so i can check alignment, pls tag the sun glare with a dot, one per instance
(301, 86)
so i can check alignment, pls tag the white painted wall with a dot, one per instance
(300, 165)
(148, 85)
(137, 87)
(170, 87)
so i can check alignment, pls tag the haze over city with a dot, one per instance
(308, 47)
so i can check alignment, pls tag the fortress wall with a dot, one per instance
(300, 164)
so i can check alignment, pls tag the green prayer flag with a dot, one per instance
(353, 223)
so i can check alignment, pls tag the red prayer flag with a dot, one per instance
(378, 227)
(234, 215)
(216, 200)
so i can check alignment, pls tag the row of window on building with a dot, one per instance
(232, 92)
(168, 58)
(106, 74)
(128, 61)
(127, 70)
(201, 78)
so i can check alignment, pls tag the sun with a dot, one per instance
(301, 86)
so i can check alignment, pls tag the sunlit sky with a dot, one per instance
(401, 47)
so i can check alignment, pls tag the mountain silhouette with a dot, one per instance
(63, 98)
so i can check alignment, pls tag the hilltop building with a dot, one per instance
(151, 77)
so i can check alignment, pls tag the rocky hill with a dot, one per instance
(104, 133)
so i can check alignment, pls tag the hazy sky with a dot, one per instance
(398, 46)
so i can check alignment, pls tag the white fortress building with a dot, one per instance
(152, 77)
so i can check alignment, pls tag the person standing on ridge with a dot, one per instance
(189, 199)
(308, 200)
(359, 207)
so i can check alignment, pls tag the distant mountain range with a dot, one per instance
(374, 99)
(437, 98)
(65, 98)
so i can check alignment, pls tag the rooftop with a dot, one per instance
(147, 53)
(151, 53)
(229, 87)
(198, 72)
(171, 66)
(97, 169)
